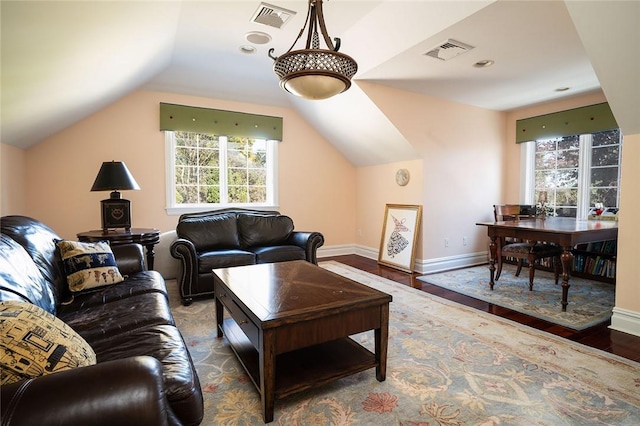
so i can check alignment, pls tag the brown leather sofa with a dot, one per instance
(144, 373)
(235, 237)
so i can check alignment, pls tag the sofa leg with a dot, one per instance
(187, 301)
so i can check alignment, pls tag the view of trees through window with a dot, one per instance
(219, 169)
(561, 162)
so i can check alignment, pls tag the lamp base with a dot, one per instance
(116, 213)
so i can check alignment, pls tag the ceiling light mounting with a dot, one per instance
(257, 37)
(312, 72)
(484, 63)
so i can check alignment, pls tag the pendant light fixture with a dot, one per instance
(312, 72)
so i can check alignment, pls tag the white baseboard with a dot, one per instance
(430, 266)
(421, 266)
(341, 250)
(626, 321)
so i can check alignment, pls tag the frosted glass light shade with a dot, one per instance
(315, 86)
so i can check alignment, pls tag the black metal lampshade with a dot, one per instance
(114, 175)
(116, 212)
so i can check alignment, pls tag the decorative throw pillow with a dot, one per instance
(88, 265)
(34, 342)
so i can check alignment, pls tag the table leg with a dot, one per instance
(150, 256)
(219, 316)
(267, 374)
(381, 343)
(493, 248)
(567, 259)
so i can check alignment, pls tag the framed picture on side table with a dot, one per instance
(399, 236)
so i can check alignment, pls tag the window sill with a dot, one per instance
(176, 211)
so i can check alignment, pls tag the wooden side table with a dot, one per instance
(148, 237)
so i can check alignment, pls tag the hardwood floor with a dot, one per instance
(600, 336)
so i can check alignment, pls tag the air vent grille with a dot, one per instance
(273, 16)
(448, 49)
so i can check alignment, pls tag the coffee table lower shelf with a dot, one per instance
(305, 368)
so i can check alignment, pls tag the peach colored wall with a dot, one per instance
(628, 267)
(462, 167)
(376, 188)
(12, 180)
(316, 183)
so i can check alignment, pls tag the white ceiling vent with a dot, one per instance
(273, 16)
(448, 50)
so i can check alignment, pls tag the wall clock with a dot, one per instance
(402, 177)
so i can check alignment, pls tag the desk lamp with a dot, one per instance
(116, 211)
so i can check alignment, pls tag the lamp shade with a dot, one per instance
(114, 175)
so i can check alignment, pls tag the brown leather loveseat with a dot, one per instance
(143, 373)
(235, 237)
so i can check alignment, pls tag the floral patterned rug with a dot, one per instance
(590, 302)
(448, 365)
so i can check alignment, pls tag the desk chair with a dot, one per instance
(533, 251)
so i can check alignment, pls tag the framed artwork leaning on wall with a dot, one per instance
(400, 230)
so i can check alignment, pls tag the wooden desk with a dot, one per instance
(563, 231)
(148, 237)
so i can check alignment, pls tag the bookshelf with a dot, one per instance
(595, 260)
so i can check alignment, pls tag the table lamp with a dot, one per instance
(116, 211)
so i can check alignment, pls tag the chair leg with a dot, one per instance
(556, 269)
(499, 269)
(519, 268)
(532, 271)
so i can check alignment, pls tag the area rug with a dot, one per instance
(590, 302)
(448, 365)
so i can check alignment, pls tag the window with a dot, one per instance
(206, 170)
(573, 173)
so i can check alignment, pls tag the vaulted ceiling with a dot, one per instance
(64, 60)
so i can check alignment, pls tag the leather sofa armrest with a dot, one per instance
(129, 257)
(184, 250)
(309, 241)
(122, 392)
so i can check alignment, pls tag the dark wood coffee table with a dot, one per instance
(290, 324)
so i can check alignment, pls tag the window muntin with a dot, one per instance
(572, 173)
(205, 170)
(605, 168)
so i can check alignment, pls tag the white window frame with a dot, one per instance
(527, 174)
(177, 209)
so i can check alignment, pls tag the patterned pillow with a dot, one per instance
(35, 342)
(88, 265)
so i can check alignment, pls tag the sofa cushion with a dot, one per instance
(279, 254)
(164, 343)
(88, 265)
(224, 259)
(138, 283)
(104, 321)
(36, 343)
(210, 232)
(20, 279)
(258, 230)
(39, 241)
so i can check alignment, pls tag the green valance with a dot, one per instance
(219, 122)
(589, 119)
